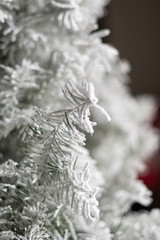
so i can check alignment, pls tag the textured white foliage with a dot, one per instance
(130, 135)
(18, 87)
(143, 226)
(9, 235)
(5, 7)
(57, 133)
(3, 16)
(48, 48)
(94, 231)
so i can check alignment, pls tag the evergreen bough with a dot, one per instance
(54, 69)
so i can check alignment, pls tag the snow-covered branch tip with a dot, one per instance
(63, 5)
(85, 94)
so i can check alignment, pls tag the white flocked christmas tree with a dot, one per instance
(73, 138)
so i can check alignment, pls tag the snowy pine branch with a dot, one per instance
(69, 13)
(19, 86)
(50, 194)
(58, 138)
(48, 179)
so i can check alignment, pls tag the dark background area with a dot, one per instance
(135, 32)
